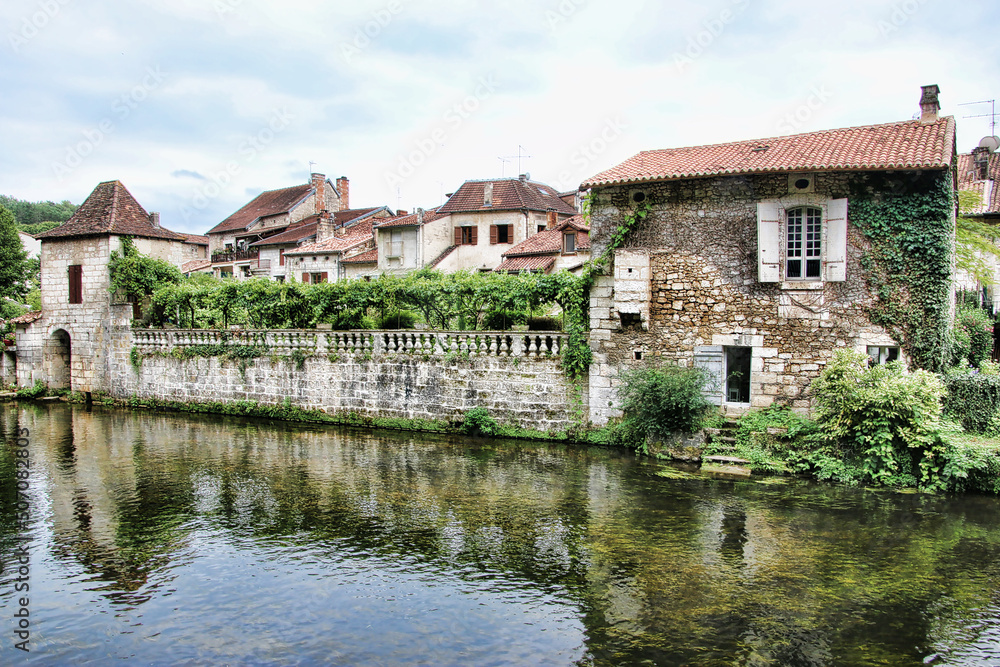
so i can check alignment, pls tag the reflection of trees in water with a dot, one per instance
(761, 574)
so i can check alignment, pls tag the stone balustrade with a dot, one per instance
(531, 344)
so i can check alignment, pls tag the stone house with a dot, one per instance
(322, 260)
(758, 259)
(979, 174)
(567, 246)
(68, 343)
(489, 217)
(271, 251)
(268, 214)
(412, 241)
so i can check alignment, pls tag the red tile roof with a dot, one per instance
(906, 145)
(968, 179)
(410, 220)
(355, 235)
(196, 265)
(272, 202)
(510, 194)
(550, 242)
(440, 258)
(543, 264)
(27, 318)
(110, 209)
(368, 257)
(307, 227)
(195, 239)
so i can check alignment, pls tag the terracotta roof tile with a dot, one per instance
(440, 258)
(368, 257)
(509, 194)
(196, 265)
(356, 235)
(272, 202)
(27, 318)
(543, 264)
(110, 209)
(410, 220)
(905, 145)
(549, 242)
(988, 189)
(195, 239)
(307, 226)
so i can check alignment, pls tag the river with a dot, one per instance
(163, 539)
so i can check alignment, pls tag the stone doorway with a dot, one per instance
(59, 360)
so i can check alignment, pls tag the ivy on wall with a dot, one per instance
(908, 222)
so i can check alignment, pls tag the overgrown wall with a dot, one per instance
(437, 375)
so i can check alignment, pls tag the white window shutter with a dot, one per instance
(768, 242)
(836, 241)
(712, 359)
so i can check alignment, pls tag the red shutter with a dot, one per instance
(458, 236)
(305, 278)
(281, 257)
(494, 234)
(76, 283)
(322, 277)
(475, 235)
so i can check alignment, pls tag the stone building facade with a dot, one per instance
(749, 263)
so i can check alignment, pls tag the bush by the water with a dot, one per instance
(659, 400)
(478, 421)
(973, 398)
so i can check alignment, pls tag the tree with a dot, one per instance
(14, 266)
(137, 275)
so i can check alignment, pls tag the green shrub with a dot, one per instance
(40, 389)
(478, 421)
(887, 418)
(973, 399)
(972, 338)
(662, 400)
(400, 319)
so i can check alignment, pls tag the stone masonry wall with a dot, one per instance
(378, 374)
(700, 246)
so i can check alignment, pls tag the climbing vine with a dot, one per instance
(909, 260)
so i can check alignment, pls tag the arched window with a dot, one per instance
(804, 233)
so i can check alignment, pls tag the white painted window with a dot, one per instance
(803, 243)
(802, 238)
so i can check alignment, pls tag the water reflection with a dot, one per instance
(180, 539)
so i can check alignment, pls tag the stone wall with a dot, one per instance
(427, 375)
(702, 294)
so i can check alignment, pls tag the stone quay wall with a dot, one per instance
(401, 374)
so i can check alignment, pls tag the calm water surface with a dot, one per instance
(164, 539)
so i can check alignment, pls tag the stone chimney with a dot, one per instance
(154, 219)
(929, 105)
(523, 178)
(420, 216)
(319, 185)
(552, 220)
(324, 227)
(487, 194)
(344, 188)
(981, 162)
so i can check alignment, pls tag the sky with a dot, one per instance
(197, 106)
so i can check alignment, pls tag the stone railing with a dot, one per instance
(531, 344)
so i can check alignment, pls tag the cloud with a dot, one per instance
(187, 173)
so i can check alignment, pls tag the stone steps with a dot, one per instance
(720, 465)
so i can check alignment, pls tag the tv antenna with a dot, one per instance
(505, 160)
(992, 115)
(311, 163)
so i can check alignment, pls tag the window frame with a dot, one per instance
(75, 278)
(569, 243)
(772, 240)
(466, 235)
(810, 244)
(508, 233)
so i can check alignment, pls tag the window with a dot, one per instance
(466, 235)
(737, 374)
(395, 246)
(76, 283)
(541, 228)
(803, 234)
(281, 257)
(882, 354)
(501, 234)
(569, 243)
(801, 238)
(314, 278)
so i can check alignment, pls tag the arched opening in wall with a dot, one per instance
(59, 359)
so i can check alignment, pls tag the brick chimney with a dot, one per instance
(981, 160)
(552, 220)
(344, 188)
(401, 212)
(929, 105)
(154, 219)
(324, 227)
(319, 185)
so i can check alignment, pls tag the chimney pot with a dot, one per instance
(929, 104)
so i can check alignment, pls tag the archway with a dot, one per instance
(59, 359)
